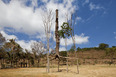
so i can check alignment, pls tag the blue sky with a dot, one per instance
(95, 24)
(102, 23)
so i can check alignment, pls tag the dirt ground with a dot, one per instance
(84, 71)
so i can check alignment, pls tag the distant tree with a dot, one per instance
(2, 40)
(2, 57)
(72, 48)
(34, 56)
(63, 53)
(13, 49)
(113, 46)
(2, 51)
(103, 46)
(95, 48)
(110, 52)
(78, 49)
(37, 48)
(28, 57)
(23, 57)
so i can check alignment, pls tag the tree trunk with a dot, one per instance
(58, 65)
(11, 64)
(57, 38)
(67, 52)
(0, 63)
(48, 63)
(77, 67)
(76, 56)
(57, 34)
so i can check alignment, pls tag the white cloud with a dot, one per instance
(45, 1)
(20, 17)
(62, 49)
(25, 45)
(8, 36)
(79, 18)
(42, 37)
(78, 40)
(34, 3)
(25, 19)
(95, 7)
(22, 43)
(85, 2)
(114, 32)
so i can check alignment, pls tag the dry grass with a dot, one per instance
(85, 71)
(24, 72)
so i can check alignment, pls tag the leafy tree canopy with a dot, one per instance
(103, 45)
(65, 30)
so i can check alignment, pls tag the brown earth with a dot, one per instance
(85, 71)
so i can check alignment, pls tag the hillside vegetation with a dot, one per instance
(12, 55)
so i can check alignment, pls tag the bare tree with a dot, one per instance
(37, 48)
(72, 22)
(70, 31)
(47, 21)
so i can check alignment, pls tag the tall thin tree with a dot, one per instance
(72, 22)
(47, 21)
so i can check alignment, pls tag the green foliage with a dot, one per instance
(63, 53)
(7, 53)
(88, 49)
(11, 52)
(2, 40)
(110, 51)
(113, 46)
(78, 49)
(2, 53)
(2, 66)
(61, 33)
(84, 49)
(32, 61)
(72, 49)
(2, 50)
(12, 48)
(103, 45)
(65, 30)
